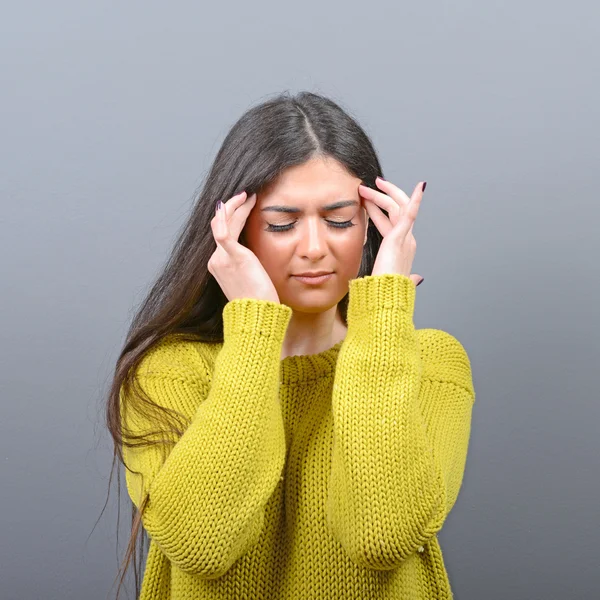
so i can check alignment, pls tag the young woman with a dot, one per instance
(286, 431)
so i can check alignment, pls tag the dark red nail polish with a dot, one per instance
(424, 184)
(422, 280)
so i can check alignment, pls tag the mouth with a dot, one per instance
(313, 279)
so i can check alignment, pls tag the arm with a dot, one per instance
(392, 482)
(207, 498)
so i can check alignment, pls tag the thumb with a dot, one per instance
(416, 278)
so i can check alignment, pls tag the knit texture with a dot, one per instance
(323, 476)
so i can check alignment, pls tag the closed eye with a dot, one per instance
(334, 224)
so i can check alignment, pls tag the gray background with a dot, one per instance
(111, 113)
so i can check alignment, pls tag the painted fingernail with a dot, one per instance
(218, 206)
(424, 184)
(422, 280)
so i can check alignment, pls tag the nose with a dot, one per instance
(313, 244)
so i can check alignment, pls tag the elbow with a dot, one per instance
(207, 556)
(385, 549)
(202, 566)
(385, 555)
(377, 559)
(205, 563)
(200, 559)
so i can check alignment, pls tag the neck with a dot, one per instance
(311, 333)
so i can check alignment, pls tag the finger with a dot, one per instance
(220, 229)
(233, 203)
(417, 192)
(378, 198)
(381, 221)
(415, 201)
(406, 223)
(394, 191)
(411, 212)
(240, 213)
(220, 224)
(416, 278)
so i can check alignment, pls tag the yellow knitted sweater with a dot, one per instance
(323, 476)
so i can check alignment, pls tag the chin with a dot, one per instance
(319, 302)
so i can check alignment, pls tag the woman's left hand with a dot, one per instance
(397, 250)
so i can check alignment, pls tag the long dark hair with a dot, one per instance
(186, 299)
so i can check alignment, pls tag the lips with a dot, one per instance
(313, 280)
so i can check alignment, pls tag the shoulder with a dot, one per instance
(174, 357)
(445, 358)
(441, 346)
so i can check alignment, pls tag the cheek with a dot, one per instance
(350, 248)
(269, 246)
(272, 251)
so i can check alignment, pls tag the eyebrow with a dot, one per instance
(293, 209)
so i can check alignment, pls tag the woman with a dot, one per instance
(288, 435)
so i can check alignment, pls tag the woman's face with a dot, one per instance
(308, 238)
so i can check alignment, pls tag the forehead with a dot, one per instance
(316, 181)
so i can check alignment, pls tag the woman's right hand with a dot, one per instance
(237, 269)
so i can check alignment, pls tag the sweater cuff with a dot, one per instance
(373, 292)
(259, 317)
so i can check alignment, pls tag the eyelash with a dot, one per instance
(335, 225)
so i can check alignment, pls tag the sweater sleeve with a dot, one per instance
(207, 493)
(393, 479)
